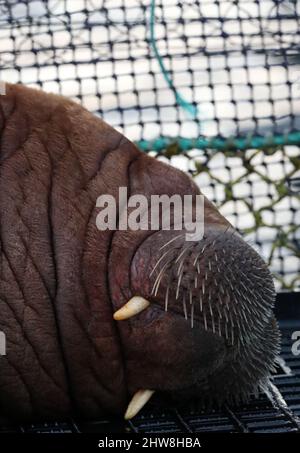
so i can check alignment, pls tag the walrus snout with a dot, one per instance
(221, 278)
(211, 305)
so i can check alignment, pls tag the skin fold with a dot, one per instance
(61, 279)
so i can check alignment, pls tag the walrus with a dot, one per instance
(97, 321)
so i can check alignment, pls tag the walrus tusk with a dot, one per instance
(139, 399)
(134, 306)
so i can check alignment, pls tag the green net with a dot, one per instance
(212, 87)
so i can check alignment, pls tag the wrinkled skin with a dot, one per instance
(62, 279)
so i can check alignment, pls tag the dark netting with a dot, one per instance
(211, 86)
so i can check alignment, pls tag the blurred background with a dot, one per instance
(211, 87)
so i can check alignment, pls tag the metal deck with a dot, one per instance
(276, 411)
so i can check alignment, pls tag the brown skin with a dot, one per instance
(62, 279)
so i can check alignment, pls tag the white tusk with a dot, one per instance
(138, 401)
(134, 306)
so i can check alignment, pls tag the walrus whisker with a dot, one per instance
(238, 324)
(227, 303)
(205, 320)
(167, 298)
(219, 311)
(231, 320)
(225, 316)
(171, 240)
(159, 278)
(200, 253)
(191, 298)
(209, 304)
(220, 300)
(184, 307)
(229, 282)
(246, 307)
(159, 261)
(192, 315)
(238, 292)
(243, 285)
(226, 331)
(257, 277)
(200, 303)
(180, 266)
(234, 308)
(196, 258)
(213, 323)
(219, 325)
(181, 254)
(178, 286)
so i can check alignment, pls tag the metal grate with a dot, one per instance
(276, 411)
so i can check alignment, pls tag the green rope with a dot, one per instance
(190, 108)
(159, 144)
(219, 143)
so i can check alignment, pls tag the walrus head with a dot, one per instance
(94, 318)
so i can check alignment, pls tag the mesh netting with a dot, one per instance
(211, 86)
